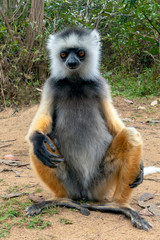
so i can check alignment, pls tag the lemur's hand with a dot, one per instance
(40, 149)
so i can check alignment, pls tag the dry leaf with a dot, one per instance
(128, 101)
(39, 90)
(145, 212)
(14, 163)
(11, 170)
(28, 76)
(127, 120)
(17, 173)
(146, 196)
(10, 157)
(144, 204)
(35, 198)
(155, 121)
(154, 209)
(10, 163)
(154, 103)
(141, 108)
(150, 120)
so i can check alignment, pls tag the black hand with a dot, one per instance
(139, 178)
(49, 159)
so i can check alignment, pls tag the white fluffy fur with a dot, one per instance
(88, 68)
(151, 169)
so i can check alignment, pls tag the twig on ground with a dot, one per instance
(11, 170)
(13, 195)
(14, 163)
(35, 185)
(5, 146)
(9, 140)
(150, 179)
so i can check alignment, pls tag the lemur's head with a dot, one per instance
(74, 51)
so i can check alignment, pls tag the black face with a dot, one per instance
(73, 57)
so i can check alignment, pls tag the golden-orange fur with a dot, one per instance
(42, 123)
(113, 122)
(124, 154)
(48, 177)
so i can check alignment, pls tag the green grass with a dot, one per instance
(51, 211)
(5, 229)
(33, 222)
(13, 189)
(65, 221)
(38, 190)
(146, 84)
(12, 214)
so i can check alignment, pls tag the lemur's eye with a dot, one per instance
(63, 54)
(81, 53)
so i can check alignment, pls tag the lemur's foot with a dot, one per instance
(35, 209)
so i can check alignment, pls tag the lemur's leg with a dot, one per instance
(61, 202)
(123, 161)
(115, 126)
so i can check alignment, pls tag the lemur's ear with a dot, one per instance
(95, 35)
(50, 42)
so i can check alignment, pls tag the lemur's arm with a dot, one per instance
(42, 121)
(113, 121)
(41, 125)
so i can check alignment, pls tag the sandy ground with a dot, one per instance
(101, 226)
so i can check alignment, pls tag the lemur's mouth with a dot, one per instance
(72, 68)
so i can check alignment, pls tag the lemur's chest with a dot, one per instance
(81, 131)
(77, 109)
(77, 112)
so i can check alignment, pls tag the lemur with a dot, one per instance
(79, 147)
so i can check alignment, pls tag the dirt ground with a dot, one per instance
(101, 226)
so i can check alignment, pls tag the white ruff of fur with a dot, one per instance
(88, 68)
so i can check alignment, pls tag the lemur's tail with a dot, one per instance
(151, 169)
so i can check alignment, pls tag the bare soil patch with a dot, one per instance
(102, 226)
